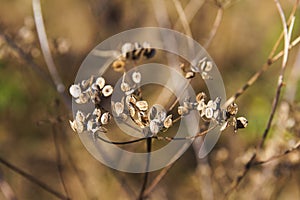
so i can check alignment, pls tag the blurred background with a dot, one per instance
(34, 130)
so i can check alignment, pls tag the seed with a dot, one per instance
(80, 116)
(142, 105)
(83, 98)
(205, 76)
(125, 87)
(75, 91)
(105, 118)
(107, 90)
(209, 113)
(136, 77)
(241, 122)
(100, 82)
(168, 121)
(77, 126)
(130, 99)
(201, 105)
(212, 104)
(87, 83)
(232, 109)
(154, 127)
(182, 110)
(158, 112)
(201, 96)
(189, 75)
(119, 108)
(118, 65)
(131, 110)
(97, 112)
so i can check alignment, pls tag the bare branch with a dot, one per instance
(215, 27)
(33, 179)
(40, 27)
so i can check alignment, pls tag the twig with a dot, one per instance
(145, 181)
(157, 179)
(183, 18)
(40, 27)
(59, 162)
(271, 59)
(190, 11)
(287, 36)
(286, 152)
(33, 179)
(264, 68)
(215, 27)
(6, 189)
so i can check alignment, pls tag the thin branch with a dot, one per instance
(190, 11)
(59, 161)
(146, 175)
(157, 179)
(33, 179)
(215, 27)
(183, 18)
(293, 149)
(287, 36)
(40, 27)
(271, 59)
(264, 68)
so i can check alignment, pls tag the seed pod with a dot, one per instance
(107, 90)
(80, 116)
(125, 87)
(76, 126)
(182, 110)
(142, 105)
(212, 104)
(105, 118)
(87, 83)
(130, 99)
(118, 65)
(75, 90)
(119, 108)
(241, 122)
(189, 75)
(232, 109)
(136, 77)
(100, 82)
(201, 105)
(97, 112)
(209, 113)
(200, 96)
(83, 98)
(154, 127)
(131, 110)
(168, 121)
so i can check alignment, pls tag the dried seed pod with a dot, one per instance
(206, 66)
(77, 126)
(232, 109)
(205, 76)
(119, 108)
(168, 121)
(118, 65)
(212, 104)
(107, 90)
(100, 82)
(126, 49)
(200, 96)
(182, 110)
(241, 122)
(157, 112)
(131, 110)
(79, 116)
(125, 87)
(105, 118)
(83, 98)
(136, 77)
(189, 75)
(87, 83)
(209, 113)
(97, 112)
(75, 90)
(142, 105)
(201, 106)
(154, 127)
(130, 99)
